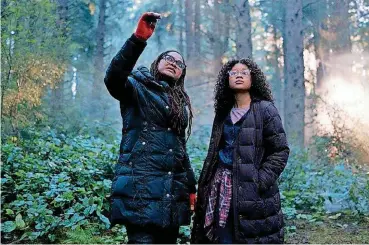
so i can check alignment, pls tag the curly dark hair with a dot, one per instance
(178, 96)
(224, 95)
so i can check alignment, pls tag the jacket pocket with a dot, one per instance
(124, 158)
(123, 166)
(156, 188)
(123, 186)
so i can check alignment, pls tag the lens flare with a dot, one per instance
(348, 96)
(344, 108)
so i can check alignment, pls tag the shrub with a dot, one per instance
(315, 185)
(50, 181)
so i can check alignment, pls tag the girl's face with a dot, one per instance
(240, 78)
(171, 65)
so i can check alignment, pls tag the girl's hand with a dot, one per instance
(192, 201)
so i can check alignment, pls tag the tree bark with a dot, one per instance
(277, 83)
(62, 22)
(294, 73)
(99, 55)
(339, 23)
(181, 28)
(243, 36)
(197, 38)
(216, 36)
(320, 55)
(189, 29)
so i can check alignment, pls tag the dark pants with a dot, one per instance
(151, 235)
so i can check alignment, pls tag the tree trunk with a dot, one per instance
(62, 11)
(294, 73)
(226, 29)
(181, 28)
(62, 22)
(276, 78)
(4, 82)
(99, 55)
(160, 29)
(197, 39)
(320, 55)
(189, 29)
(332, 40)
(216, 36)
(243, 36)
(339, 24)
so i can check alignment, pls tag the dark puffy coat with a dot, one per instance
(260, 155)
(153, 176)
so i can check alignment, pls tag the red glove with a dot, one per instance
(192, 201)
(146, 25)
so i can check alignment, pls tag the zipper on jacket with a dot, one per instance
(235, 180)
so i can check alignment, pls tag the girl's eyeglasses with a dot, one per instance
(236, 73)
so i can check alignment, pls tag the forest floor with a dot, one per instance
(343, 229)
(335, 229)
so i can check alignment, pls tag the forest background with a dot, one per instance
(60, 129)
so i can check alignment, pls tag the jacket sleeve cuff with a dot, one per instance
(137, 41)
(192, 189)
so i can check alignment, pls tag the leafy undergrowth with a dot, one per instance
(93, 235)
(51, 182)
(55, 189)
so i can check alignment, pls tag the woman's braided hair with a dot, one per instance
(178, 96)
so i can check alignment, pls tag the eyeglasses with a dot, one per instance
(236, 73)
(170, 59)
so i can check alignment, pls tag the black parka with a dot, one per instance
(153, 176)
(259, 157)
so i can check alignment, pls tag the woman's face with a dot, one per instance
(171, 65)
(239, 77)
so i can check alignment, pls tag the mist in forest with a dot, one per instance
(60, 128)
(318, 56)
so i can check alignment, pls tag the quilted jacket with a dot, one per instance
(259, 157)
(153, 176)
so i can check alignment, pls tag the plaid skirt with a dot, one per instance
(221, 194)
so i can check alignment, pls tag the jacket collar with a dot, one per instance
(220, 119)
(144, 75)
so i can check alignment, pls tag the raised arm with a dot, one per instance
(122, 64)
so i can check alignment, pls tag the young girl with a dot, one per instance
(153, 177)
(238, 196)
